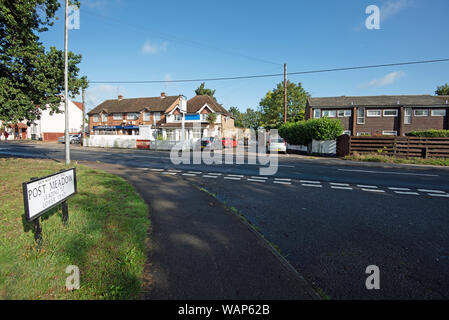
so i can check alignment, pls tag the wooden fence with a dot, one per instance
(394, 146)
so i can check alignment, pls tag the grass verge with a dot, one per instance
(105, 238)
(392, 159)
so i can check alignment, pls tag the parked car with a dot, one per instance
(229, 143)
(74, 138)
(276, 145)
(210, 142)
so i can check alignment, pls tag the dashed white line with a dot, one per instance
(439, 195)
(232, 178)
(235, 176)
(339, 184)
(189, 174)
(256, 180)
(263, 178)
(407, 193)
(366, 187)
(431, 191)
(157, 170)
(281, 179)
(195, 172)
(341, 188)
(211, 177)
(177, 171)
(214, 174)
(399, 189)
(373, 190)
(169, 173)
(307, 181)
(312, 185)
(282, 182)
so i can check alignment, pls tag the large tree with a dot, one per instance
(443, 90)
(202, 90)
(237, 117)
(31, 76)
(272, 105)
(252, 119)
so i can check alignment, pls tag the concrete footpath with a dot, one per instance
(200, 250)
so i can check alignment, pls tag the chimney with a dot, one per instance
(162, 95)
(120, 97)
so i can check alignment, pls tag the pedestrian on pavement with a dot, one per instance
(6, 135)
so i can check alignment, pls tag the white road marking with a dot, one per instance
(282, 182)
(307, 181)
(312, 185)
(341, 188)
(195, 172)
(373, 190)
(157, 170)
(178, 171)
(264, 178)
(339, 184)
(214, 174)
(280, 179)
(255, 180)
(170, 173)
(439, 195)
(367, 187)
(399, 189)
(232, 178)
(384, 172)
(211, 177)
(189, 174)
(407, 193)
(431, 191)
(235, 176)
(285, 166)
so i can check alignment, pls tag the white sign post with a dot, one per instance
(42, 195)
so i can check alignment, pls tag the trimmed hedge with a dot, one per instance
(303, 132)
(430, 133)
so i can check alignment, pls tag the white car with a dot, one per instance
(277, 145)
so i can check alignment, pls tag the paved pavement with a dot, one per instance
(201, 250)
(330, 218)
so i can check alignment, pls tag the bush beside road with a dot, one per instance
(108, 223)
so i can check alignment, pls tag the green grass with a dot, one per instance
(105, 238)
(391, 159)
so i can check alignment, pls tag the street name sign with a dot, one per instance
(41, 195)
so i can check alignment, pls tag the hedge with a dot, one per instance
(430, 133)
(303, 132)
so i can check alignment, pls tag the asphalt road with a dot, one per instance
(330, 218)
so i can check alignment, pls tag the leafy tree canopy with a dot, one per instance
(272, 105)
(237, 116)
(202, 90)
(442, 90)
(251, 119)
(30, 76)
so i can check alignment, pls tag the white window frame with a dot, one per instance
(177, 117)
(157, 116)
(421, 115)
(96, 118)
(104, 117)
(146, 116)
(117, 116)
(390, 110)
(408, 116)
(373, 110)
(361, 134)
(344, 113)
(316, 112)
(329, 115)
(135, 116)
(361, 118)
(438, 115)
(389, 133)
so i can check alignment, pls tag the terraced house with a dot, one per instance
(383, 115)
(162, 115)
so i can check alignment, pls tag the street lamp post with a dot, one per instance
(66, 86)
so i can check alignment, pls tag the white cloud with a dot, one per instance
(96, 95)
(393, 7)
(152, 48)
(384, 81)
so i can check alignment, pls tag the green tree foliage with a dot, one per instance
(211, 118)
(432, 133)
(238, 117)
(251, 119)
(202, 90)
(30, 76)
(272, 105)
(442, 90)
(303, 132)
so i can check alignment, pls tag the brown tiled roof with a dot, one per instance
(378, 101)
(196, 103)
(157, 104)
(78, 104)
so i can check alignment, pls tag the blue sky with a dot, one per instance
(159, 40)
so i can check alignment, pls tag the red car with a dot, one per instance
(229, 143)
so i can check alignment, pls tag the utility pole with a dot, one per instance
(66, 85)
(285, 93)
(83, 136)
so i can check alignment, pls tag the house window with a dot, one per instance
(421, 113)
(373, 113)
(178, 117)
(117, 116)
(329, 113)
(361, 116)
(96, 118)
(132, 116)
(389, 133)
(204, 117)
(157, 116)
(104, 117)
(317, 113)
(390, 113)
(344, 113)
(438, 113)
(146, 116)
(408, 116)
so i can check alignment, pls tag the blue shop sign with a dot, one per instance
(130, 127)
(194, 116)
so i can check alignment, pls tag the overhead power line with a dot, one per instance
(275, 74)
